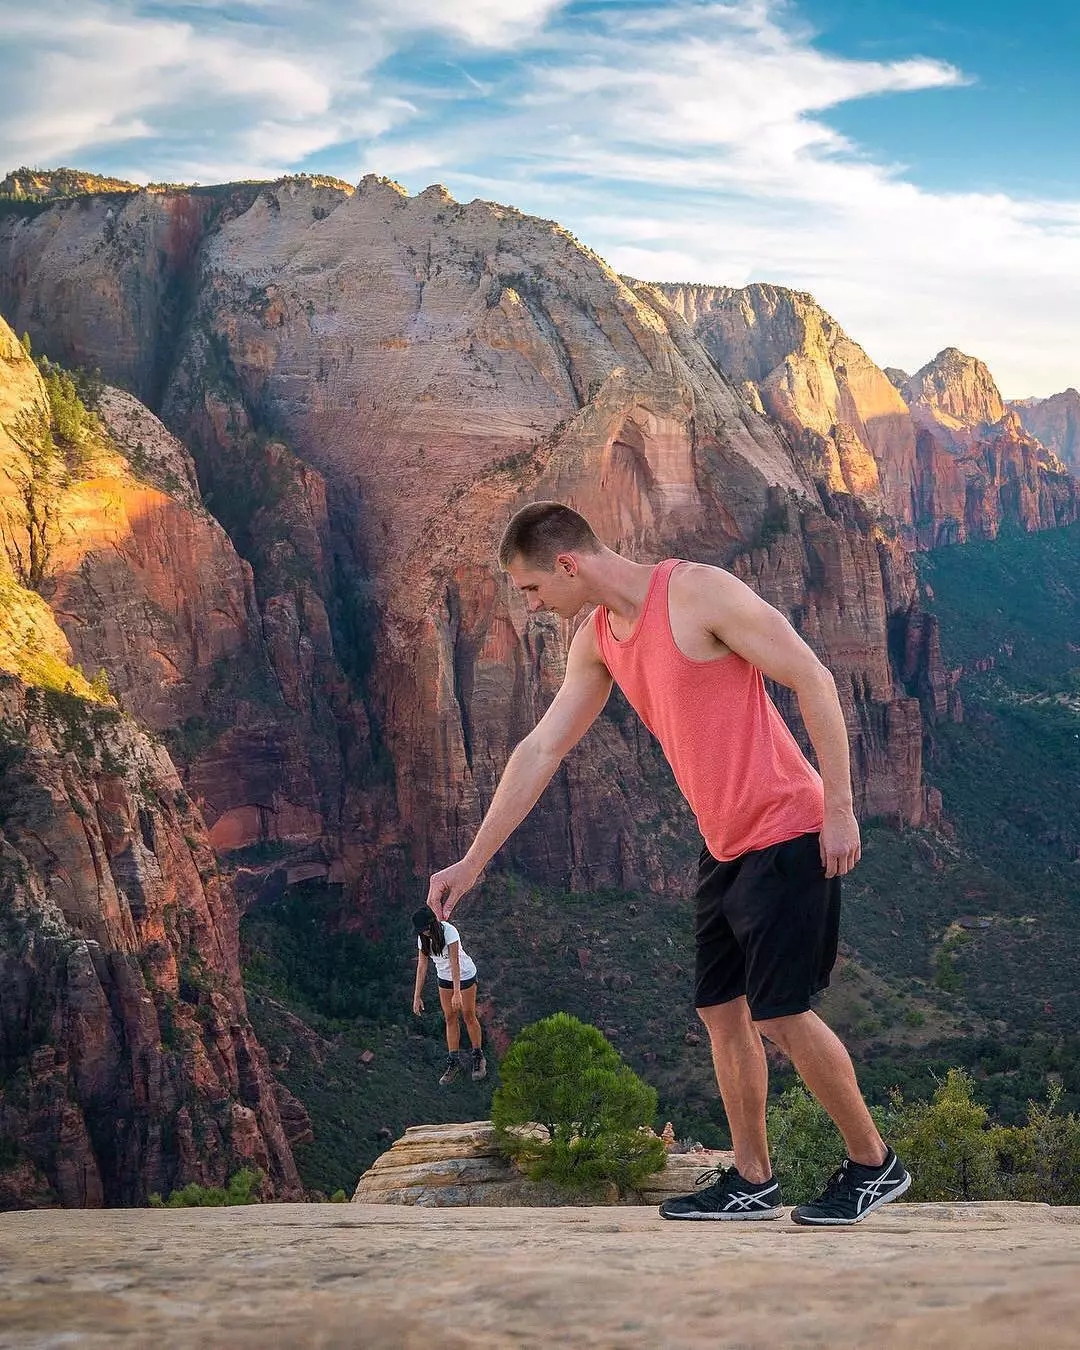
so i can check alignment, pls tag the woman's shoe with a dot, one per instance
(452, 1069)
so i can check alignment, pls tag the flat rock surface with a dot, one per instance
(932, 1277)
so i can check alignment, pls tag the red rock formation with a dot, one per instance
(946, 459)
(976, 465)
(1054, 421)
(955, 396)
(127, 1062)
(437, 364)
(843, 414)
(148, 586)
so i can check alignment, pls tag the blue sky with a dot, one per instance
(915, 166)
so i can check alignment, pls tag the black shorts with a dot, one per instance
(465, 984)
(766, 926)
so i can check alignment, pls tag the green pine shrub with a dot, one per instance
(947, 1146)
(592, 1110)
(241, 1189)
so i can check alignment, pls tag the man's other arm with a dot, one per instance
(762, 635)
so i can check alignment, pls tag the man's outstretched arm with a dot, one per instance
(583, 693)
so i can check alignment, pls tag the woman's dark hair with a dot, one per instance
(429, 930)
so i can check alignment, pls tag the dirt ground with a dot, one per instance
(383, 1277)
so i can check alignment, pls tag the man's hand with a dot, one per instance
(840, 845)
(448, 886)
(418, 1006)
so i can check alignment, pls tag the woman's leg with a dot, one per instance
(472, 1022)
(453, 1026)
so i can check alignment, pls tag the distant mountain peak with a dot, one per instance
(957, 390)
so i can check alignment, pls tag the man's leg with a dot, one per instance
(742, 1075)
(825, 1067)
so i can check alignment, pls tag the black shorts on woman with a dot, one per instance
(766, 926)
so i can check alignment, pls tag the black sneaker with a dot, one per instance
(452, 1069)
(854, 1191)
(479, 1065)
(729, 1196)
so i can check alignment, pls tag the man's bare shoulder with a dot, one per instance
(584, 645)
(694, 580)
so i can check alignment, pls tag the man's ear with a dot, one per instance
(566, 562)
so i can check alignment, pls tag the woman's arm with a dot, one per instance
(421, 975)
(455, 973)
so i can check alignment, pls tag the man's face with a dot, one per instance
(559, 591)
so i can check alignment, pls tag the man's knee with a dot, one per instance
(723, 1020)
(783, 1031)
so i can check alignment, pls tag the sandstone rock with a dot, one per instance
(120, 949)
(148, 586)
(956, 394)
(452, 1165)
(973, 1277)
(1055, 422)
(528, 369)
(936, 450)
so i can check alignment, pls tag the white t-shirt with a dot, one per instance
(466, 964)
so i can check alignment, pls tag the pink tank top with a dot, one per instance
(738, 765)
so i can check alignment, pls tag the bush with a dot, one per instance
(562, 1075)
(1041, 1160)
(946, 1145)
(240, 1190)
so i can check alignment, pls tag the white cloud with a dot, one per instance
(486, 23)
(683, 141)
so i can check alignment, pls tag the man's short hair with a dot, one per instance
(540, 532)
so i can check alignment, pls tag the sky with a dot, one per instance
(914, 164)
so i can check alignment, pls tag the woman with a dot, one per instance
(456, 970)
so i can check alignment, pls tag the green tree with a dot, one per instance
(1040, 1160)
(946, 1145)
(592, 1112)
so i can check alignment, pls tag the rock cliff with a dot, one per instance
(938, 451)
(127, 1062)
(430, 366)
(1054, 421)
(956, 396)
(242, 683)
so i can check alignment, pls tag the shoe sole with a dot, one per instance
(727, 1218)
(894, 1194)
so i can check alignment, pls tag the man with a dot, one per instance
(688, 645)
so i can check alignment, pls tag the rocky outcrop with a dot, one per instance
(442, 1166)
(977, 466)
(1055, 422)
(843, 414)
(127, 1063)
